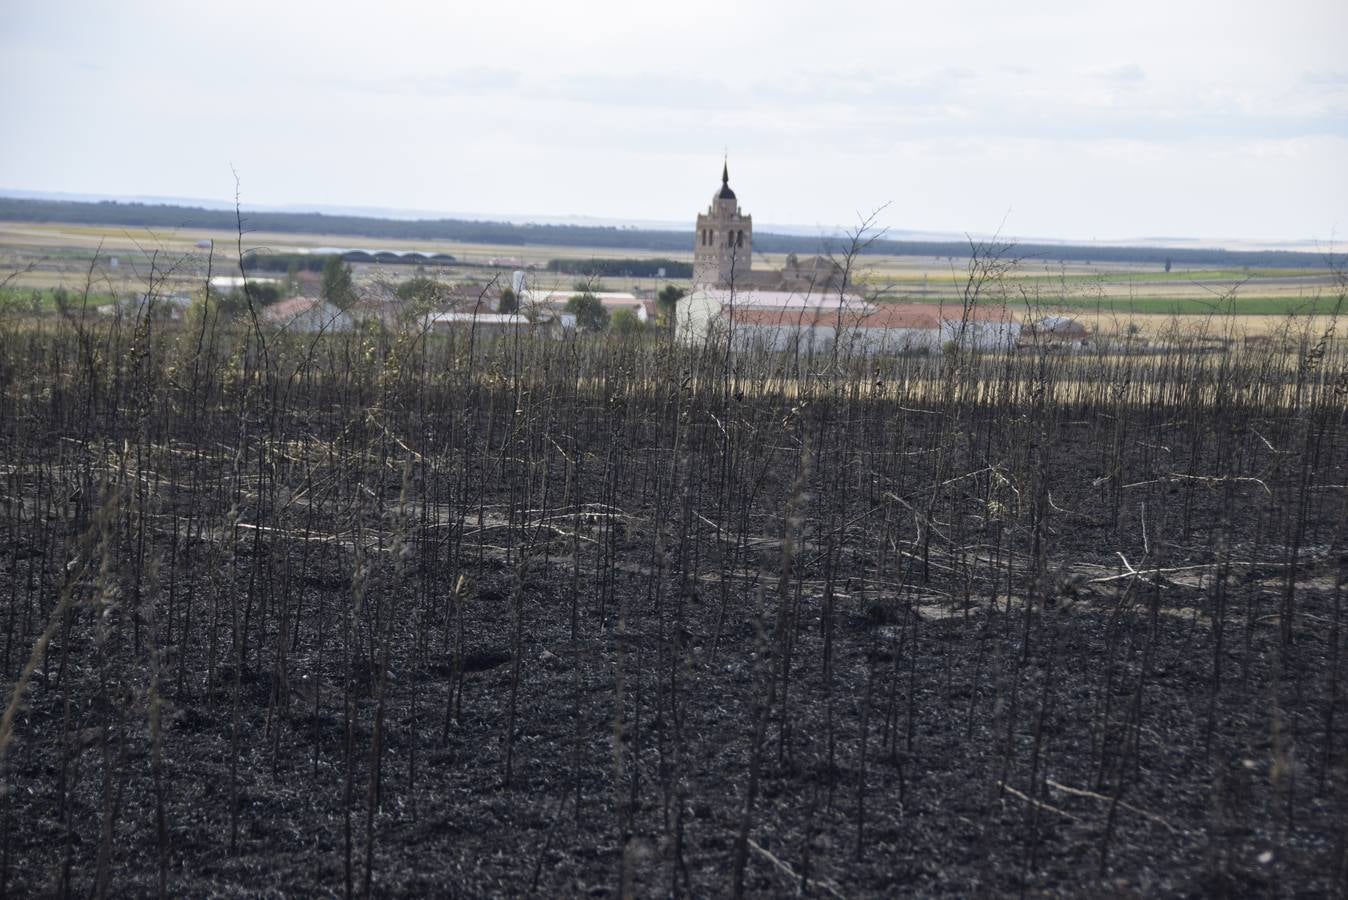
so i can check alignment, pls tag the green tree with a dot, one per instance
(220, 308)
(338, 288)
(589, 311)
(625, 322)
(667, 300)
(263, 294)
(229, 306)
(419, 291)
(508, 303)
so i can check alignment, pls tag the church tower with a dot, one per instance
(724, 243)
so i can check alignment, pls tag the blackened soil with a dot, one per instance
(962, 722)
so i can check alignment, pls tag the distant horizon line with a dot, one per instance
(900, 234)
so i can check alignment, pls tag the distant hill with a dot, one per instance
(109, 212)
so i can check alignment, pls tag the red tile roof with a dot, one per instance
(285, 310)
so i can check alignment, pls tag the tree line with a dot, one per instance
(634, 268)
(109, 212)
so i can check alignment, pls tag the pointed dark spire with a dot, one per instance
(726, 192)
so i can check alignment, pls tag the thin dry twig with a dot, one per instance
(1080, 792)
(1037, 803)
(790, 872)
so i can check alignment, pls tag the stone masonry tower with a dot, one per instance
(724, 243)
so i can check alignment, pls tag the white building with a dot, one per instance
(1057, 332)
(785, 322)
(705, 308)
(173, 307)
(227, 283)
(307, 314)
(612, 301)
(487, 324)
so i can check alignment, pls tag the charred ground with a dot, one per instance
(400, 614)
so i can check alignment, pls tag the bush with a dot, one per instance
(338, 288)
(589, 311)
(668, 300)
(625, 322)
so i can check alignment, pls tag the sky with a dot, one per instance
(1073, 120)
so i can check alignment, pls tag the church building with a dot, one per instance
(724, 243)
(810, 305)
(723, 247)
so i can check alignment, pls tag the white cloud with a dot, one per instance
(1084, 118)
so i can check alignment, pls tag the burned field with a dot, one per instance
(390, 614)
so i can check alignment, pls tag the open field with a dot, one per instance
(392, 614)
(1153, 325)
(82, 240)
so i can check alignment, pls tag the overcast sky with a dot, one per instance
(1075, 120)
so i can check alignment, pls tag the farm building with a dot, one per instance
(361, 256)
(818, 272)
(170, 306)
(307, 314)
(696, 313)
(612, 302)
(386, 311)
(227, 283)
(469, 296)
(1055, 331)
(489, 324)
(813, 323)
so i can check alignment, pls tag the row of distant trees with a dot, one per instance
(166, 216)
(622, 268)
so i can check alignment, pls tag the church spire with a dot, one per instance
(726, 193)
(725, 237)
